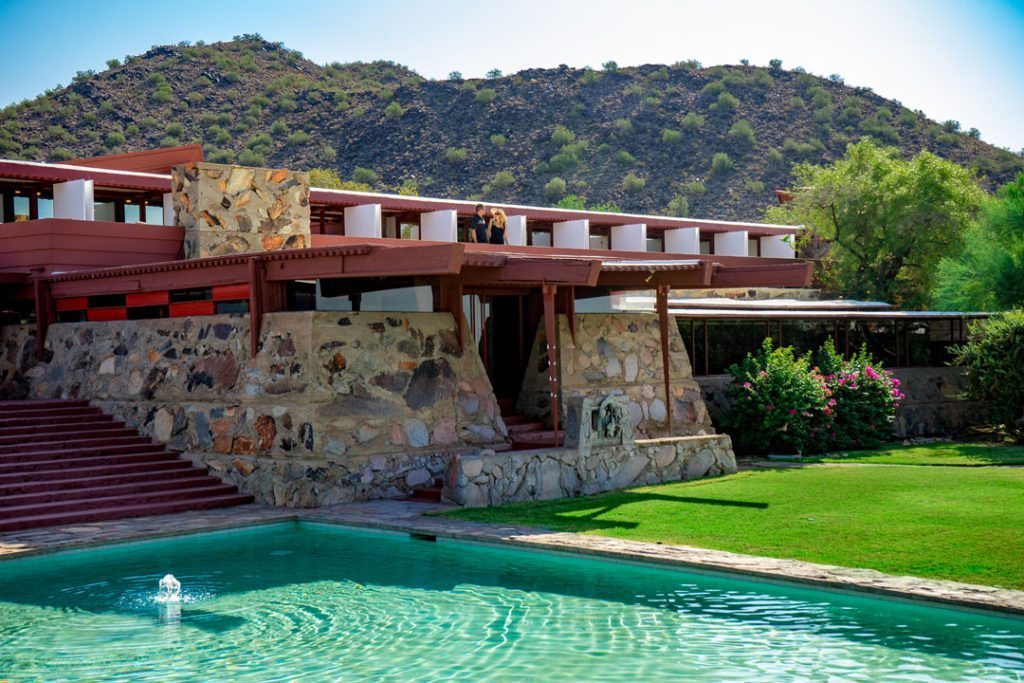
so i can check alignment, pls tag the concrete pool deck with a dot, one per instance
(415, 518)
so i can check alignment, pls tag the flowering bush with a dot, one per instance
(863, 401)
(779, 403)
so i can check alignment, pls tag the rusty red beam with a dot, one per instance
(793, 274)
(548, 292)
(663, 326)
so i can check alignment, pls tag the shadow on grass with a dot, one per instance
(583, 513)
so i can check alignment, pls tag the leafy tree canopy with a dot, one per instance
(888, 221)
(988, 273)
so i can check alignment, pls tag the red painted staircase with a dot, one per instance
(66, 462)
(525, 433)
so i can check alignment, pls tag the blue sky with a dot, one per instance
(953, 59)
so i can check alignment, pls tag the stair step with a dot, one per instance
(29, 467)
(510, 420)
(58, 420)
(526, 427)
(426, 494)
(66, 462)
(92, 469)
(91, 495)
(10, 435)
(539, 439)
(121, 512)
(32, 404)
(169, 477)
(62, 454)
(43, 444)
(56, 411)
(112, 498)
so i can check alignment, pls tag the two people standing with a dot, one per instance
(488, 230)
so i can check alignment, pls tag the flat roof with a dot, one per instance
(781, 304)
(741, 314)
(158, 182)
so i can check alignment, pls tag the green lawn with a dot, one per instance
(942, 453)
(956, 523)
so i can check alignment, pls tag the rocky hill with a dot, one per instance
(678, 139)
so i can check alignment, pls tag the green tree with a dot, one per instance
(572, 201)
(329, 179)
(987, 274)
(888, 221)
(993, 358)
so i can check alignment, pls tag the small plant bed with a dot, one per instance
(948, 453)
(953, 523)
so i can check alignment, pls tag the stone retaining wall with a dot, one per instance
(334, 407)
(933, 406)
(491, 479)
(18, 355)
(618, 354)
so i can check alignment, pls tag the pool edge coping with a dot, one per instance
(379, 515)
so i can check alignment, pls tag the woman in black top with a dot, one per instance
(497, 227)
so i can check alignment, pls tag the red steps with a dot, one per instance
(65, 462)
(526, 432)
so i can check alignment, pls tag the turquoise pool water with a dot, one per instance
(305, 602)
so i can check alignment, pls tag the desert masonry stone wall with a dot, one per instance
(334, 407)
(619, 353)
(233, 209)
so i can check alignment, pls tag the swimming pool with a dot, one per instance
(303, 601)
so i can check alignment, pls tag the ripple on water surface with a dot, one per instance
(305, 602)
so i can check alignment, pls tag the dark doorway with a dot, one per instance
(505, 347)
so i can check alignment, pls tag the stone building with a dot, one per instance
(316, 346)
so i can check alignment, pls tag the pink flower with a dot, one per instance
(828, 411)
(793, 411)
(869, 371)
(746, 385)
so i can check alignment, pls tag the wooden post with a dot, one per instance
(550, 333)
(450, 300)
(663, 323)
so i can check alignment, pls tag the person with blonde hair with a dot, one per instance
(496, 227)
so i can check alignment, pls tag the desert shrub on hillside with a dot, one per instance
(721, 163)
(456, 155)
(555, 188)
(562, 135)
(365, 175)
(633, 183)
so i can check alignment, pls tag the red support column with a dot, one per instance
(567, 305)
(551, 335)
(663, 323)
(256, 277)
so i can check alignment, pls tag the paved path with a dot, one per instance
(415, 518)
